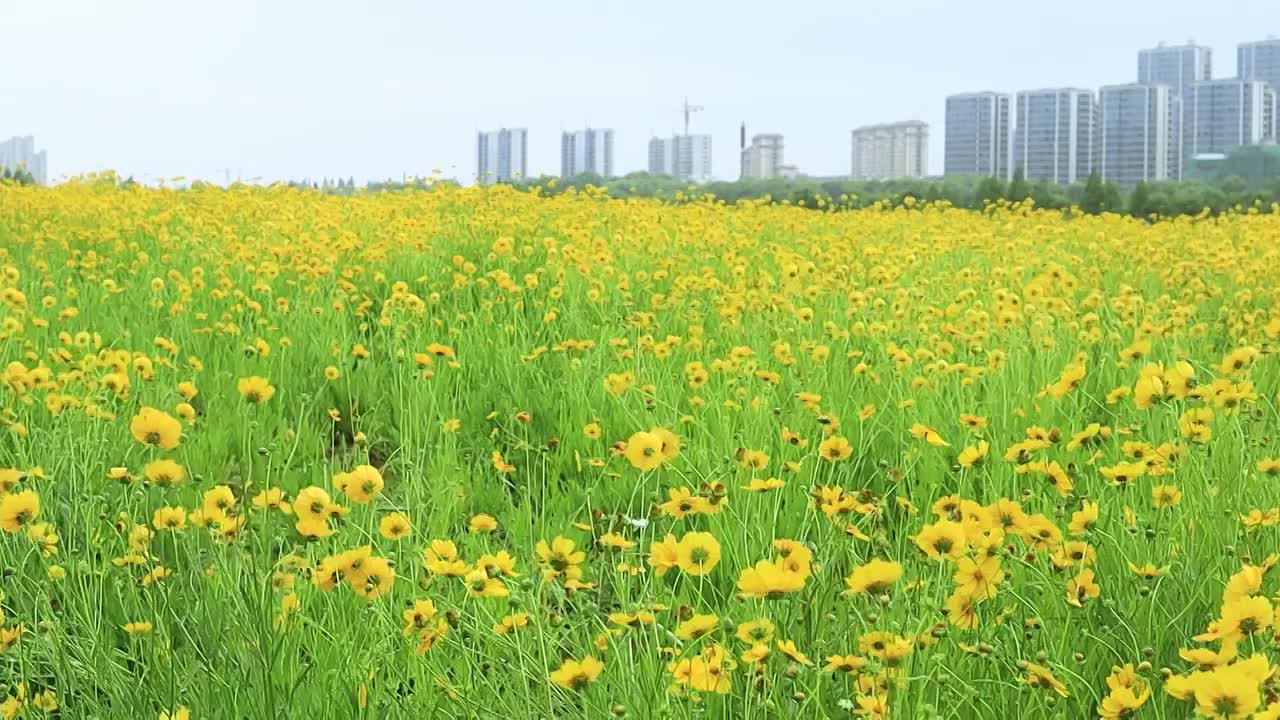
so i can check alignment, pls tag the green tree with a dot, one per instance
(18, 175)
(989, 190)
(1094, 199)
(1140, 200)
(1019, 188)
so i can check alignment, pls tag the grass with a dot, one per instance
(419, 333)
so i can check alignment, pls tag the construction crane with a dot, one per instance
(688, 109)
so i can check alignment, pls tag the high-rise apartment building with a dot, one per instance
(1135, 129)
(978, 138)
(1179, 67)
(762, 159)
(1054, 139)
(19, 153)
(1260, 61)
(889, 151)
(1225, 114)
(502, 155)
(683, 157)
(586, 151)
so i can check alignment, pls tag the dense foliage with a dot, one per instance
(1146, 200)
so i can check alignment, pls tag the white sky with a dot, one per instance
(378, 88)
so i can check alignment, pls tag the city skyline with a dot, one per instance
(342, 74)
(19, 154)
(502, 155)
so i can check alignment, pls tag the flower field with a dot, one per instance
(476, 453)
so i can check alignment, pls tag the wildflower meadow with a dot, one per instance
(478, 453)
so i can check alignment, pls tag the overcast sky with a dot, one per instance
(375, 89)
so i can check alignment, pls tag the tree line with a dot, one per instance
(16, 175)
(1154, 200)
(1145, 200)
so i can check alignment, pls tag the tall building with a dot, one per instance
(889, 151)
(586, 151)
(1135, 127)
(978, 138)
(1054, 139)
(762, 159)
(1260, 61)
(502, 155)
(1225, 114)
(683, 157)
(19, 153)
(1179, 67)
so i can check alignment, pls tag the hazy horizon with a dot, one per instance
(294, 90)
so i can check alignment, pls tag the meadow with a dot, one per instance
(477, 453)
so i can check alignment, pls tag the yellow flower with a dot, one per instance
(929, 435)
(218, 501)
(768, 580)
(978, 578)
(511, 622)
(670, 443)
(312, 503)
(764, 484)
(874, 577)
(164, 472)
(170, 518)
(1041, 676)
(577, 674)
(1228, 692)
(697, 626)
(374, 579)
(137, 628)
(961, 609)
(1083, 520)
(256, 390)
(1163, 496)
(272, 498)
(664, 555)
(644, 451)
(499, 563)
(682, 502)
(944, 539)
(698, 553)
(619, 383)
(1082, 588)
(480, 584)
(835, 448)
(481, 523)
(1123, 702)
(156, 427)
(788, 648)
(560, 558)
(18, 509)
(395, 526)
(752, 459)
(757, 653)
(500, 464)
(755, 631)
(973, 456)
(361, 484)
